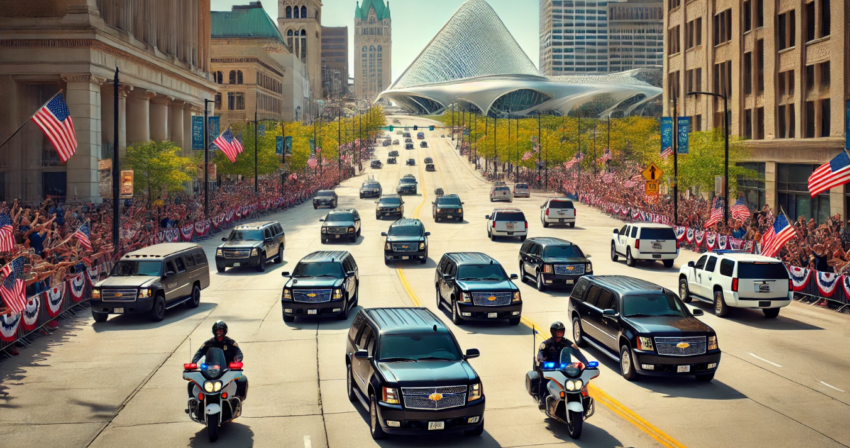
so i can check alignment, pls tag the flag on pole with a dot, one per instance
(228, 145)
(739, 210)
(83, 235)
(13, 287)
(716, 215)
(55, 121)
(7, 238)
(776, 237)
(832, 174)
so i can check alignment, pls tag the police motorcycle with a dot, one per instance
(564, 396)
(214, 400)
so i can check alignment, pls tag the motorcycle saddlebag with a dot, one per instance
(532, 382)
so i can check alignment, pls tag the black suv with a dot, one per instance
(423, 144)
(408, 370)
(325, 198)
(370, 189)
(393, 153)
(406, 240)
(389, 205)
(476, 287)
(428, 160)
(340, 224)
(411, 162)
(376, 163)
(322, 283)
(552, 261)
(447, 206)
(251, 245)
(408, 146)
(407, 185)
(391, 160)
(643, 326)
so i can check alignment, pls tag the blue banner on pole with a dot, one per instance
(847, 130)
(288, 144)
(279, 146)
(312, 148)
(214, 131)
(197, 132)
(666, 135)
(262, 130)
(684, 131)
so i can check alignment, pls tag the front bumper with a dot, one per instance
(638, 255)
(406, 191)
(561, 279)
(370, 194)
(338, 236)
(477, 312)
(522, 195)
(414, 422)
(668, 365)
(231, 262)
(449, 214)
(139, 306)
(392, 255)
(323, 203)
(501, 198)
(332, 308)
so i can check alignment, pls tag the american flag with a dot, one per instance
(229, 145)
(54, 119)
(739, 210)
(829, 175)
(776, 237)
(666, 152)
(7, 239)
(83, 235)
(577, 159)
(13, 287)
(606, 156)
(716, 215)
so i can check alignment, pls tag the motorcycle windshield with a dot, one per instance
(214, 363)
(566, 363)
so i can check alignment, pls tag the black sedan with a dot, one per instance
(376, 164)
(391, 161)
(411, 162)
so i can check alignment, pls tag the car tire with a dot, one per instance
(99, 317)
(424, 260)
(771, 313)
(514, 320)
(522, 238)
(490, 235)
(436, 219)
(220, 268)
(456, 319)
(324, 241)
(578, 334)
(387, 261)
(195, 301)
(614, 256)
(358, 231)
(288, 318)
(361, 196)
(668, 263)
(720, 308)
(314, 207)
(572, 225)
(344, 314)
(630, 262)
(439, 297)
(158, 311)
(475, 432)
(349, 384)
(261, 266)
(375, 425)
(684, 291)
(460, 219)
(541, 286)
(545, 224)
(377, 216)
(353, 238)
(705, 377)
(627, 365)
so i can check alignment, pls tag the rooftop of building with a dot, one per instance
(362, 11)
(244, 21)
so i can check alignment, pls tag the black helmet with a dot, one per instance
(555, 327)
(220, 325)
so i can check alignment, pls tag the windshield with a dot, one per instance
(562, 252)
(246, 235)
(325, 193)
(214, 363)
(482, 272)
(405, 231)
(126, 268)
(561, 204)
(408, 181)
(762, 271)
(339, 217)
(651, 305)
(448, 201)
(502, 216)
(658, 234)
(428, 160)
(521, 186)
(325, 269)
(390, 201)
(372, 186)
(419, 347)
(503, 189)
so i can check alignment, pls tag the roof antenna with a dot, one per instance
(435, 327)
(491, 261)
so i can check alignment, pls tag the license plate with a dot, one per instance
(656, 245)
(683, 369)
(449, 216)
(118, 310)
(312, 311)
(492, 315)
(405, 257)
(337, 236)
(433, 426)
(569, 282)
(561, 220)
(762, 288)
(656, 256)
(510, 233)
(510, 225)
(236, 265)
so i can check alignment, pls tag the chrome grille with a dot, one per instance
(318, 295)
(419, 397)
(569, 269)
(406, 247)
(389, 210)
(337, 230)
(244, 253)
(669, 346)
(483, 298)
(116, 294)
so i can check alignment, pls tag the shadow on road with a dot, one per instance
(135, 322)
(755, 318)
(232, 434)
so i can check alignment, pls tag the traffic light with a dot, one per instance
(430, 128)
(415, 128)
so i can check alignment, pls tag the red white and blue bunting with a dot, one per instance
(689, 236)
(78, 285)
(710, 240)
(9, 327)
(680, 232)
(187, 231)
(722, 242)
(827, 281)
(54, 299)
(699, 237)
(845, 282)
(30, 313)
(799, 277)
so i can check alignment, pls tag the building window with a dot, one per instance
(760, 123)
(672, 4)
(219, 77)
(824, 77)
(748, 123)
(759, 13)
(673, 39)
(748, 73)
(295, 13)
(288, 12)
(232, 77)
(239, 77)
(786, 30)
(235, 101)
(810, 79)
(760, 65)
(824, 18)
(810, 119)
(217, 101)
(793, 193)
(752, 188)
(824, 117)
(723, 27)
(303, 12)
(748, 15)
(694, 33)
(810, 21)
(303, 46)
(785, 121)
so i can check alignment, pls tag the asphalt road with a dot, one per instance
(781, 382)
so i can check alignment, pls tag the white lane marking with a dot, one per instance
(307, 443)
(831, 386)
(762, 359)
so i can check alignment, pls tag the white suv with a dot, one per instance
(558, 211)
(645, 241)
(737, 280)
(508, 222)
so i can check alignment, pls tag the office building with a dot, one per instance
(373, 46)
(335, 61)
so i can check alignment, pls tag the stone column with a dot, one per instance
(187, 129)
(138, 117)
(770, 196)
(175, 123)
(108, 124)
(84, 102)
(159, 117)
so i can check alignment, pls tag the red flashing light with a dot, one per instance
(201, 397)
(677, 244)
(494, 224)
(236, 366)
(190, 366)
(790, 285)
(224, 395)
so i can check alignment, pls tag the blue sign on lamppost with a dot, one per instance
(261, 130)
(279, 145)
(684, 129)
(198, 132)
(214, 130)
(666, 135)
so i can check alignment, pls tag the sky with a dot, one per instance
(416, 22)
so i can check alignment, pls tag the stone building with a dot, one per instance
(373, 45)
(162, 49)
(335, 61)
(250, 64)
(300, 23)
(776, 61)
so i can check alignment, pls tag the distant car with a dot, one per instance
(393, 153)
(389, 205)
(428, 160)
(340, 224)
(376, 164)
(387, 142)
(423, 144)
(398, 132)
(645, 241)
(439, 192)
(558, 211)
(442, 136)
(502, 193)
(407, 185)
(406, 135)
(447, 206)
(322, 283)
(406, 239)
(553, 262)
(430, 167)
(395, 142)
(325, 198)
(411, 162)
(370, 189)
(408, 140)
(508, 222)
(409, 146)
(396, 121)
(522, 191)
(391, 161)
(420, 136)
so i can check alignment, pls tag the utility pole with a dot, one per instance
(675, 161)
(453, 121)
(578, 153)
(495, 142)
(339, 144)
(206, 160)
(256, 136)
(116, 173)
(608, 143)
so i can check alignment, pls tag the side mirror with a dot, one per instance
(541, 207)
(361, 354)
(690, 264)
(285, 274)
(447, 277)
(588, 256)
(383, 233)
(169, 274)
(322, 220)
(349, 273)
(514, 276)
(697, 312)
(462, 203)
(224, 239)
(609, 313)
(486, 216)
(616, 231)
(427, 233)
(472, 353)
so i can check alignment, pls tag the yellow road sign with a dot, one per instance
(652, 188)
(653, 173)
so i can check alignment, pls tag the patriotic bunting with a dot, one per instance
(799, 277)
(187, 232)
(689, 236)
(710, 240)
(30, 313)
(827, 281)
(78, 285)
(700, 235)
(845, 282)
(721, 242)
(54, 297)
(9, 327)
(680, 232)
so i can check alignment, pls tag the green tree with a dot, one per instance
(706, 159)
(158, 167)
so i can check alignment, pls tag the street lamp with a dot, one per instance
(726, 149)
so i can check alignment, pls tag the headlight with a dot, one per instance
(645, 343)
(218, 252)
(516, 296)
(712, 342)
(589, 267)
(476, 391)
(351, 230)
(421, 245)
(390, 395)
(287, 294)
(460, 210)
(254, 252)
(573, 385)
(95, 293)
(212, 386)
(337, 294)
(388, 247)
(145, 292)
(547, 268)
(439, 210)
(465, 297)
(324, 230)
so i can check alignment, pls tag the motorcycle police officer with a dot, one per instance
(550, 351)
(232, 353)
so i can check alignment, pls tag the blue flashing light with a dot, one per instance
(592, 364)
(564, 366)
(204, 366)
(548, 365)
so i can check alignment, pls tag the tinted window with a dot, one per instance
(562, 251)
(421, 347)
(180, 265)
(268, 232)
(521, 185)
(278, 229)
(711, 264)
(364, 337)
(658, 234)
(405, 231)
(390, 201)
(245, 235)
(325, 193)
(624, 231)
(510, 216)
(482, 272)
(727, 266)
(652, 305)
(448, 201)
(452, 269)
(408, 181)
(170, 267)
(525, 246)
(604, 300)
(199, 258)
(701, 262)
(126, 268)
(190, 261)
(561, 204)
(352, 262)
(592, 295)
(443, 263)
(634, 232)
(762, 270)
(325, 269)
(355, 326)
(502, 189)
(339, 217)
(580, 288)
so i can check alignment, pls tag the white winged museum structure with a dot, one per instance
(475, 63)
